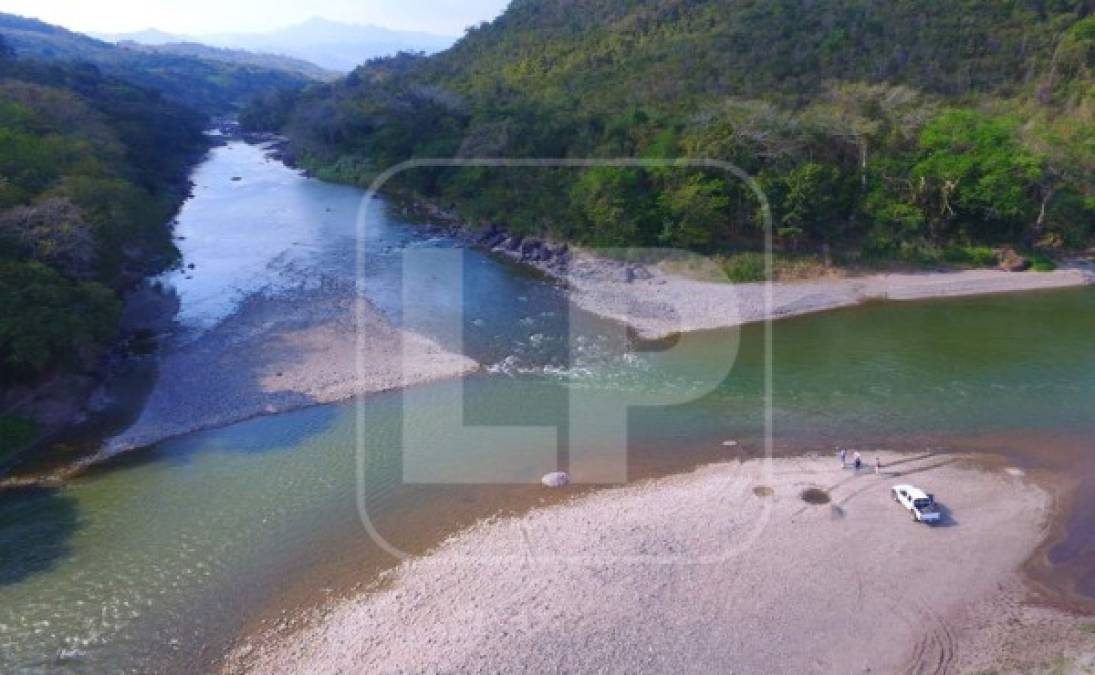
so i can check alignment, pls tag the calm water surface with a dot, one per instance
(156, 561)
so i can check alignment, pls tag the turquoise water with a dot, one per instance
(155, 561)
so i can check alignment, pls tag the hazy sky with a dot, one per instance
(448, 17)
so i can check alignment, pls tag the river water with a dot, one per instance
(156, 560)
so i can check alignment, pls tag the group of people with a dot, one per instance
(857, 461)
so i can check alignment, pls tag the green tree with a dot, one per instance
(696, 213)
(972, 173)
(816, 201)
(618, 205)
(47, 321)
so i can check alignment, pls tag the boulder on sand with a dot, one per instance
(633, 273)
(555, 479)
(1011, 261)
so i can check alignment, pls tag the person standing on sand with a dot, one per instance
(843, 458)
(858, 460)
(877, 466)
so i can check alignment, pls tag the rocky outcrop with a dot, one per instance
(556, 259)
(521, 249)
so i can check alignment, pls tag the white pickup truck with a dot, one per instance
(919, 503)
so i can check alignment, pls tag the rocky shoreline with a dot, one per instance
(657, 302)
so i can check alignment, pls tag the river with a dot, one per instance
(157, 559)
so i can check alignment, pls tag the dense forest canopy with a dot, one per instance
(897, 129)
(91, 170)
(213, 81)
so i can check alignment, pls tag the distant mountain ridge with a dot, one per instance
(329, 44)
(213, 85)
(235, 56)
(150, 36)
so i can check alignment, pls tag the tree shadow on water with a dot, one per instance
(256, 436)
(36, 527)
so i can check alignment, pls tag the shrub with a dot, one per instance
(976, 256)
(915, 253)
(742, 268)
(982, 256)
(1071, 218)
(1040, 262)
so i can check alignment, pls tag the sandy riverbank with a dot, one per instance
(667, 303)
(279, 353)
(609, 582)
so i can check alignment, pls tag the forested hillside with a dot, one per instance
(91, 170)
(237, 57)
(891, 130)
(212, 85)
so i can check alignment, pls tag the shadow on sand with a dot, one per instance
(947, 518)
